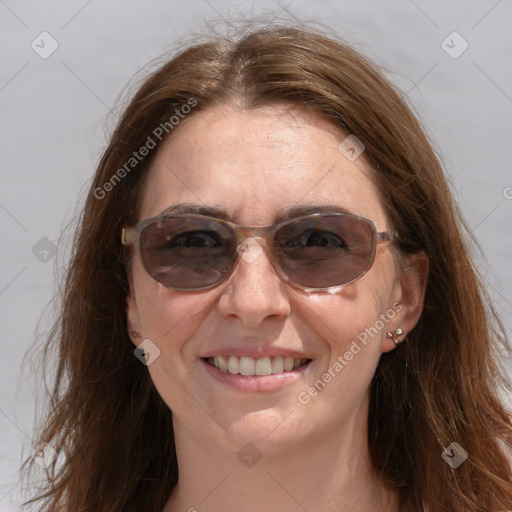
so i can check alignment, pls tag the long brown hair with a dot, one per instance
(440, 386)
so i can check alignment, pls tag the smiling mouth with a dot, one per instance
(245, 365)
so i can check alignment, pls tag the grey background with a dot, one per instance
(55, 113)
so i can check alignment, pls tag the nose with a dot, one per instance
(254, 292)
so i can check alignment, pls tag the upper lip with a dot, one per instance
(255, 352)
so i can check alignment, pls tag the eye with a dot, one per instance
(313, 238)
(195, 240)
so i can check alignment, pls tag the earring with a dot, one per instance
(394, 336)
(135, 334)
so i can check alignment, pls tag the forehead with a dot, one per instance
(255, 163)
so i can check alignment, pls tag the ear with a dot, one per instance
(409, 295)
(133, 320)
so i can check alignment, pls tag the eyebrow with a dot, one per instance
(282, 214)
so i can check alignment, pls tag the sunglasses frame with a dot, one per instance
(130, 236)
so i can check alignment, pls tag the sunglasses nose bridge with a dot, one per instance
(264, 233)
(252, 242)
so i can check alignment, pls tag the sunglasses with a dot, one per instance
(314, 252)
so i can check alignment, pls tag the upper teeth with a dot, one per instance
(261, 366)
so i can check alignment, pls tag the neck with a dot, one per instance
(324, 473)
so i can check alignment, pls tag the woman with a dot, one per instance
(271, 292)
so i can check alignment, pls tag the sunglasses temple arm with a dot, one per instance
(386, 236)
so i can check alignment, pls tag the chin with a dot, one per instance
(267, 429)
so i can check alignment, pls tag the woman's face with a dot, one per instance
(254, 165)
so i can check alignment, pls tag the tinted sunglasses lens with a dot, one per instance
(187, 252)
(325, 251)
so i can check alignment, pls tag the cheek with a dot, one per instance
(341, 320)
(168, 317)
(351, 331)
(353, 321)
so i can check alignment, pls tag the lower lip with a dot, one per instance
(256, 383)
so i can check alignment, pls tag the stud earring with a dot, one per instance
(395, 336)
(135, 334)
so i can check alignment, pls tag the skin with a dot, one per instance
(315, 455)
